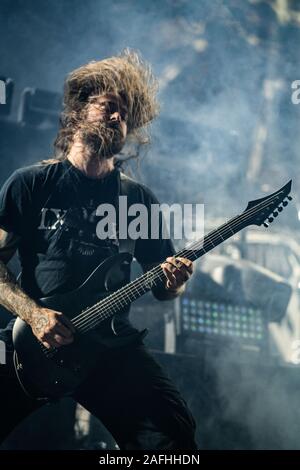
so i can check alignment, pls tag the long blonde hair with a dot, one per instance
(126, 75)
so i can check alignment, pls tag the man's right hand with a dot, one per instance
(52, 328)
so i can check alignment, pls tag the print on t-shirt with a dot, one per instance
(80, 224)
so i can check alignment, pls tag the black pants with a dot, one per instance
(128, 392)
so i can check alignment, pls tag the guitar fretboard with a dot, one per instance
(123, 297)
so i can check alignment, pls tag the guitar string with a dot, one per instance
(79, 320)
(99, 317)
(84, 323)
(121, 296)
(156, 274)
(140, 281)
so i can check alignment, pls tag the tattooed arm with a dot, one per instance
(52, 328)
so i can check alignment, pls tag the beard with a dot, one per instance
(102, 141)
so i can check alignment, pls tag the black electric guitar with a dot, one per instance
(97, 306)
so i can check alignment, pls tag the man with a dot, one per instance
(48, 213)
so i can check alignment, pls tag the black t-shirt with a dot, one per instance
(52, 208)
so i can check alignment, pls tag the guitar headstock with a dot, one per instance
(264, 210)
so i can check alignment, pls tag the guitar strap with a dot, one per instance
(128, 187)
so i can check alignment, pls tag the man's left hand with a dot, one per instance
(177, 271)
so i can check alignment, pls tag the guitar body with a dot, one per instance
(54, 373)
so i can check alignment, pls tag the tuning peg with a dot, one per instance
(289, 198)
(280, 209)
(285, 203)
(270, 219)
(275, 213)
(266, 225)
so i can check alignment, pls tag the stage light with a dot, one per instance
(213, 319)
(40, 108)
(6, 96)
